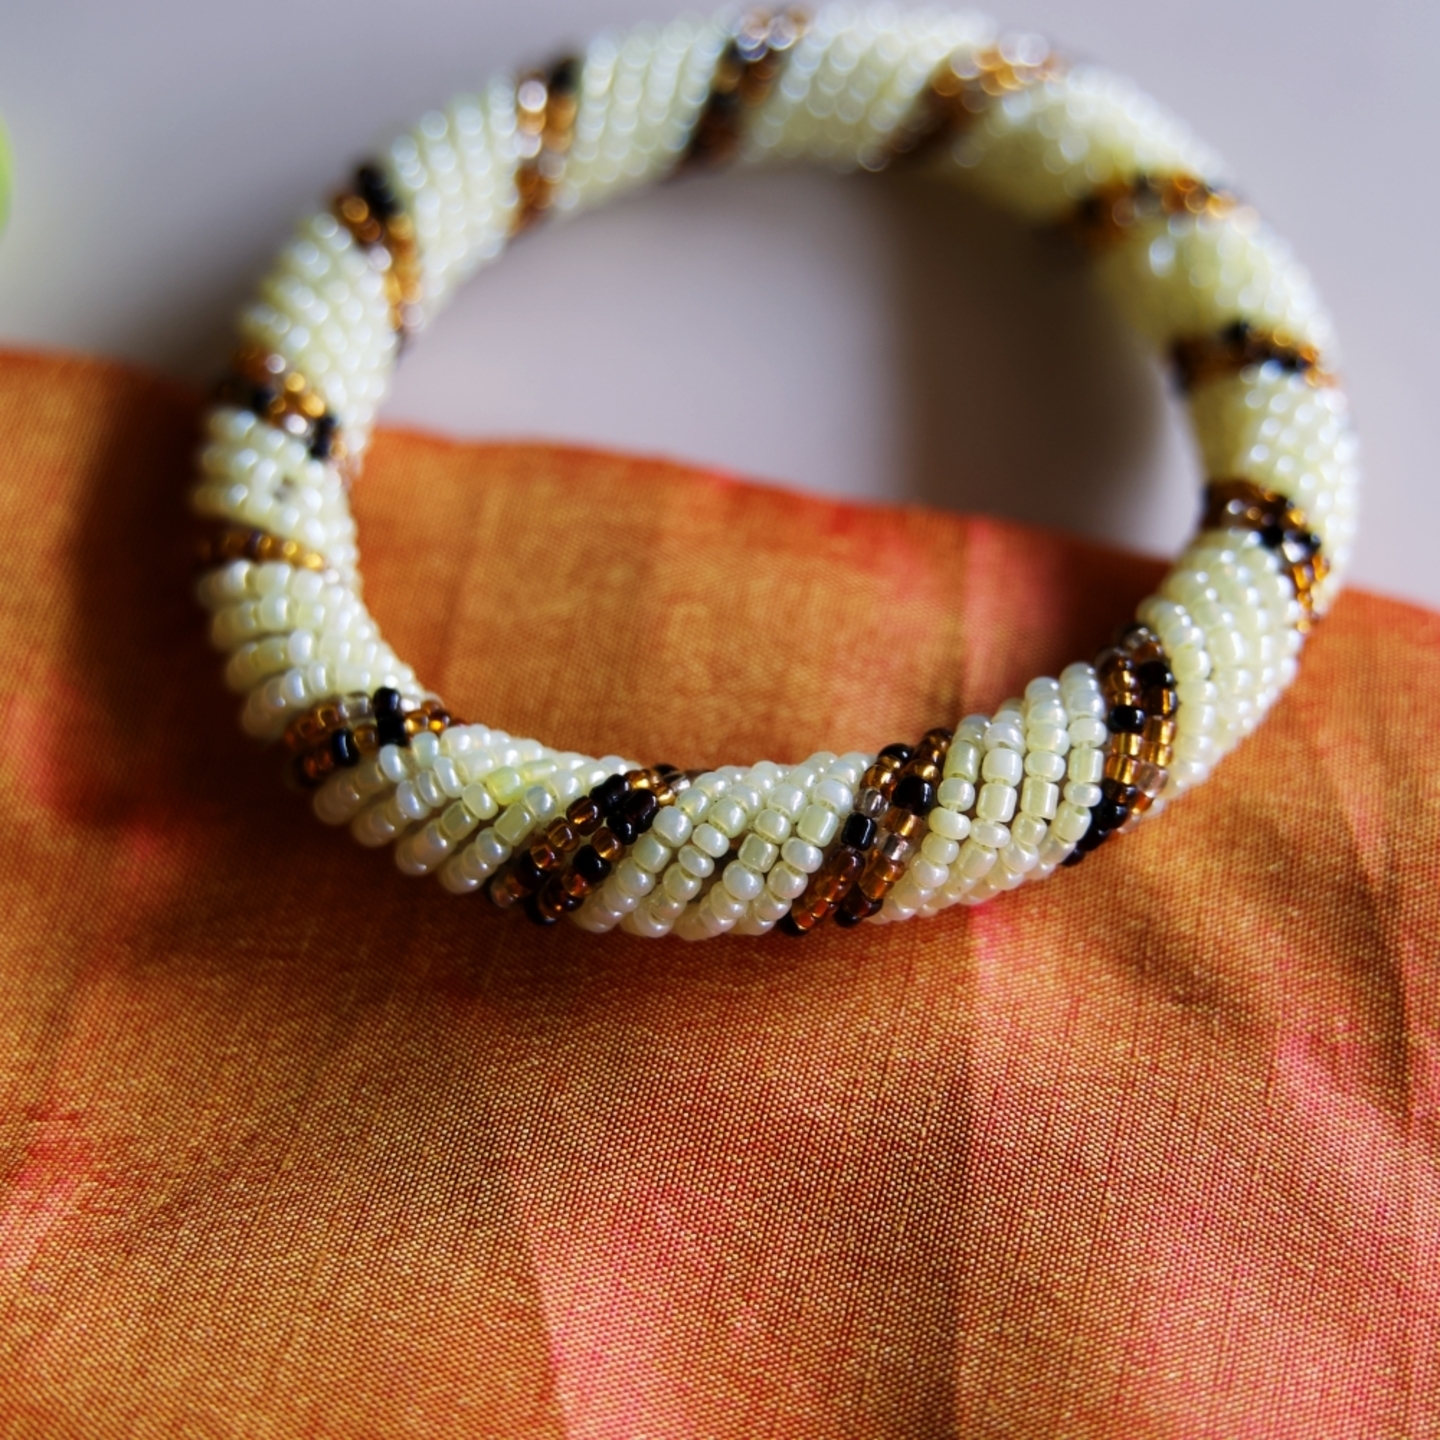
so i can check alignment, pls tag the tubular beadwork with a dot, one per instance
(958, 816)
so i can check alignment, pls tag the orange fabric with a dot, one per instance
(291, 1145)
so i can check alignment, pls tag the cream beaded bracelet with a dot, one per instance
(954, 818)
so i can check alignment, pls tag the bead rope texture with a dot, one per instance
(959, 815)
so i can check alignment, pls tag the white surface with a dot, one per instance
(855, 336)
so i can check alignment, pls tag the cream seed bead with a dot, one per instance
(949, 824)
(1039, 797)
(995, 802)
(1045, 764)
(772, 825)
(1005, 766)
(817, 825)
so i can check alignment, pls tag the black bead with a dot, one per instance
(385, 701)
(1092, 839)
(858, 832)
(623, 829)
(390, 730)
(568, 902)
(528, 873)
(1155, 675)
(343, 748)
(915, 795)
(900, 752)
(609, 793)
(1127, 720)
(262, 397)
(1272, 536)
(591, 865)
(322, 438)
(535, 914)
(375, 191)
(1109, 815)
(639, 808)
(845, 919)
(564, 76)
(788, 925)
(1236, 333)
(1073, 858)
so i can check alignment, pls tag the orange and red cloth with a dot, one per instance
(292, 1145)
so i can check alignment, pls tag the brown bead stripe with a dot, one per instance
(749, 67)
(963, 86)
(573, 855)
(237, 542)
(912, 800)
(341, 731)
(546, 104)
(1282, 527)
(260, 382)
(372, 214)
(1238, 347)
(895, 794)
(1139, 688)
(1109, 214)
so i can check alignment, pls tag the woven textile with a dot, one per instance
(292, 1145)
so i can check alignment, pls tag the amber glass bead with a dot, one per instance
(584, 813)
(561, 834)
(1160, 731)
(606, 844)
(1164, 756)
(904, 823)
(1162, 702)
(544, 854)
(1125, 769)
(1126, 745)
(505, 891)
(367, 739)
(574, 883)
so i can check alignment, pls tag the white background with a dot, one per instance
(855, 336)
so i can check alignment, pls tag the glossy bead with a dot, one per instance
(915, 794)
(817, 825)
(858, 832)
(591, 865)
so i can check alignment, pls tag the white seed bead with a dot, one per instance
(1070, 822)
(1004, 766)
(1045, 765)
(708, 838)
(995, 802)
(804, 856)
(758, 853)
(949, 824)
(817, 824)
(672, 825)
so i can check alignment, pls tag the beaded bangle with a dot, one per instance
(1005, 798)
